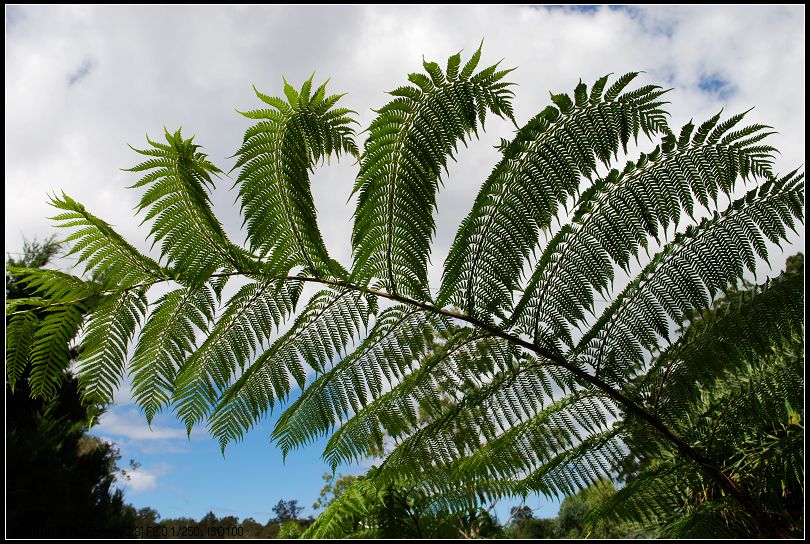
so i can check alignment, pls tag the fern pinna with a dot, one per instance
(530, 388)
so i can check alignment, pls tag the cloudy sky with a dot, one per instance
(82, 82)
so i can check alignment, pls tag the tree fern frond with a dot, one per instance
(323, 330)
(614, 219)
(274, 186)
(345, 513)
(502, 387)
(103, 249)
(396, 412)
(587, 462)
(103, 352)
(53, 286)
(688, 273)
(20, 333)
(460, 428)
(409, 144)
(770, 315)
(649, 500)
(166, 340)
(535, 441)
(400, 335)
(191, 237)
(248, 320)
(50, 353)
(540, 171)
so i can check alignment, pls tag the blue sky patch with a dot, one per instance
(14, 14)
(579, 8)
(717, 85)
(81, 72)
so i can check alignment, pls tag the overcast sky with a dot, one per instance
(82, 82)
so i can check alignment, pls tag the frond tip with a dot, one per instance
(409, 144)
(276, 158)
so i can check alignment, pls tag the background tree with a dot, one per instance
(287, 510)
(534, 383)
(59, 480)
(335, 485)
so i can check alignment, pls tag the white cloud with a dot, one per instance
(140, 479)
(122, 422)
(155, 66)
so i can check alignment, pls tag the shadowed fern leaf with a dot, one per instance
(541, 169)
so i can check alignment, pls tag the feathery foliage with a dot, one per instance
(274, 186)
(511, 381)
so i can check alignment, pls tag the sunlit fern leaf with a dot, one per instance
(348, 514)
(103, 352)
(397, 412)
(615, 219)
(530, 443)
(329, 322)
(400, 335)
(101, 248)
(409, 144)
(165, 341)
(178, 181)
(276, 158)
(20, 332)
(14, 305)
(248, 320)
(541, 169)
(50, 353)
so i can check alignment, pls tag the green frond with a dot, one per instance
(52, 286)
(103, 350)
(400, 335)
(617, 217)
(103, 249)
(20, 333)
(540, 170)
(409, 144)
(529, 444)
(584, 464)
(249, 318)
(177, 199)
(329, 322)
(458, 361)
(649, 500)
(50, 353)
(348, 514)
(688, 386)
(689, 272)
(167, 338)
(749, 326)
(276, 158)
